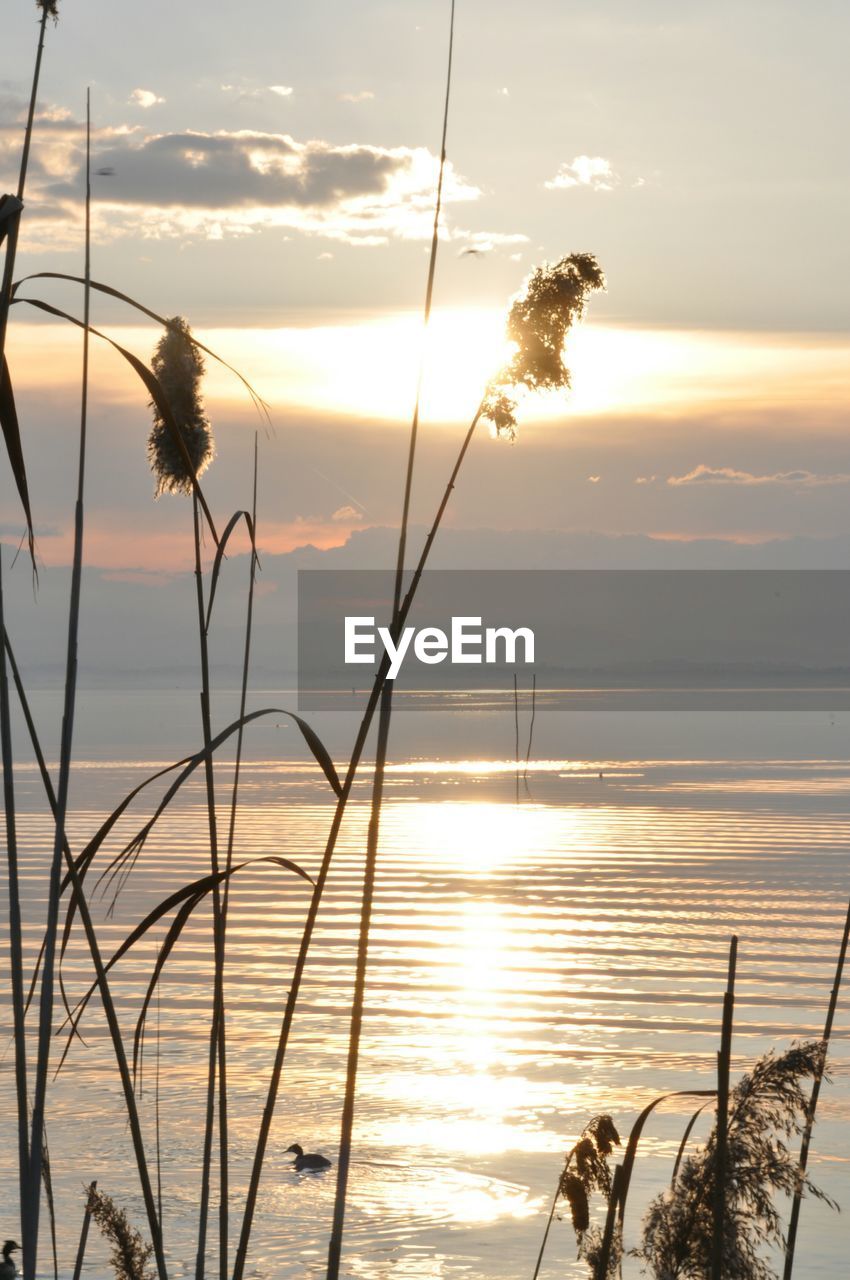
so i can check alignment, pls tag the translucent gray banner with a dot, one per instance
(594, 639)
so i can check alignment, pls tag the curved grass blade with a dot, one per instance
(153, 386)
(12, 436)
(683, 1144)
(258, 401)
(637, 1130)
(195, 891)
(623, 1173)
(164, 952)
(219, 555)
(122, 865)
(188, 765)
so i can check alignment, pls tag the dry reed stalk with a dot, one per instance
(74, 881)
(16, 962)
(794, 1221)
(48, 10)
(724, 1060)
(45, 1010)
(29, 1225)
(587, 278)
(231, 835)
(384, 718)
(585, 1171)
(531, 724)
(84, 1232)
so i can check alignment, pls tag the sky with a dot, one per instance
(271, 177)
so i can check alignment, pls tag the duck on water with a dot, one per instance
(8, 1270)
(304, 1163)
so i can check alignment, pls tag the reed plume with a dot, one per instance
(179, 366)
(585, 1171)
(768, 1106)
(130, 1254)
(554, 298)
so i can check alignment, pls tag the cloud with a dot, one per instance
(585, 171)
(282, 90)
(703, 475)
(144, 98)
(197, 185)
(173, 184)
(346, 515)
(364, 95)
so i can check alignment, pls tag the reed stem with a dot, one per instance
(794, 1221)
(330, 847)
(12, 238)
(45, 1020)
(28, 1227)
(84, 1232)
(217, 1030)
(385, 715)
(102, 982)
(16, 954)
(724, 1059)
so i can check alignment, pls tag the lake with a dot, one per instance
(541, 951)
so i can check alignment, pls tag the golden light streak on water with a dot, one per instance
(531, 963)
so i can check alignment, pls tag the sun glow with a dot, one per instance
(367, 367)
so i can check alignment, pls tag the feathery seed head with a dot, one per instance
(554, 298)
(573, 1190)
(179, 366)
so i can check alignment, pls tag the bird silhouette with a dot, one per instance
(8, 1270)
(305, 1162)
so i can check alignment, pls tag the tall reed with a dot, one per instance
(179, 366)
(554, 298)
(49, 9)
(794, 1221)
(28, 1228)
(45, 1009)
(566, 286)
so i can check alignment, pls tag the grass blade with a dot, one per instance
(153, 387)
(259, 403)
(12, 437)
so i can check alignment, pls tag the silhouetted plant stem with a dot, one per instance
(330, 847)
(47, 970)
(16, 962)
(794, 1220)
(12, 238)
(231, 835)
(429, 294)
(84, 1232)
(531, 724)
(15, 934)
(102, 981)
(724, 1059)
(616, 1199)
(543, 1242)
(217, 1031)
(347, 1124)
(385, 715)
